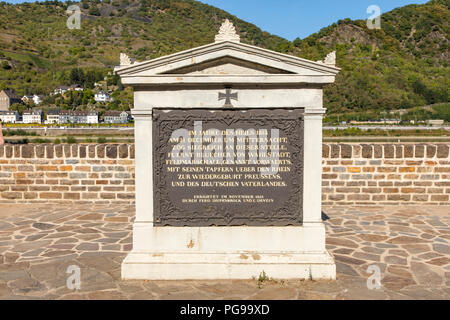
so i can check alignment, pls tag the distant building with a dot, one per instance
(27, 99)
(9, 116)
(32, 116)
(103, 97)
(382, 121)
(61, 89)
(435, 122)
(92, 117)
(117, 117)
(7, 99)
(37, 99)
(64, 89)
(76, 117)
(64, 117)
(84, 117)
(53, 116)
(76, 87)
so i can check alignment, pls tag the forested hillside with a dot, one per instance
(38, 51)
(403, 65)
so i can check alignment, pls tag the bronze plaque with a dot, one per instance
(228, 167)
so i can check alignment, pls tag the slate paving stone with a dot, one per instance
(5, 225)
(271, 293)
(425, 275)
(400, 271)
(401, 253)
(73, 296)
(42, 226)
(38, 243)
(372, 237)
(12, 275)
(395, 260)
(418, 248)
(385, 245)
(88, 246)
(342, 250)
(10, 257)
(107, 240)
(35, 252)
(26, 286)
(441, 248)
(397, 283)
(367, 256)
(195, 295)
(406, 240)
(143, 295)
(106, 295)
(5, 291)
(91, 216)
(439, 261)
(422, 294)
(345, 269)
(348, 260)
(67, 240)
(113, 247)
(341, 242)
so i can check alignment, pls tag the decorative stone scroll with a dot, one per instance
(330, 59)
(125, 60)
(227, 32)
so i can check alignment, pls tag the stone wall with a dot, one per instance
(367, 174)
(353, 174)
(49, 173)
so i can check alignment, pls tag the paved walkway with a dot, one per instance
(39, 242)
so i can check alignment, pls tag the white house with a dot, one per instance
(61, 90)
(103, 97)
(9, 116)
(92, 117)
(53, 116)
(27, 99)
(116, 117)
(64, 116)
(435, 122)
(76, 87)
(37, 99)
(32, 116)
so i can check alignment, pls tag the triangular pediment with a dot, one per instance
(227, 66)
(227, 58)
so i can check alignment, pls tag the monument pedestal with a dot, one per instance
(229, 253)
(186, 227)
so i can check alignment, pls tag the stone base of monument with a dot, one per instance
(229, 253)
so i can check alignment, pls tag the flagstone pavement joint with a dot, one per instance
(38, 243)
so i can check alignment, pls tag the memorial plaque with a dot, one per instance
(228, 167)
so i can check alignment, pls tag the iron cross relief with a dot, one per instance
(228, 96)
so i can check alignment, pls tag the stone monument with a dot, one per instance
(228, 163)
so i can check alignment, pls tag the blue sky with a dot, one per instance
(299, 18)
